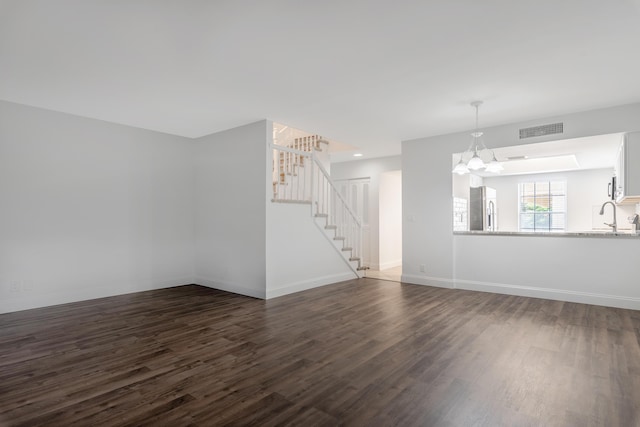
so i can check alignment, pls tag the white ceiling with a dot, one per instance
(368, 74)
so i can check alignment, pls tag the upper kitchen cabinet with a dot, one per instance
(627, 169)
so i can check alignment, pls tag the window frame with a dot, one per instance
(549, 195)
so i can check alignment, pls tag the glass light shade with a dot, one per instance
(494, 165)
(476, 162)
(461, 168)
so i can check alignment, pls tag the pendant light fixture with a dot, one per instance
(475, 162)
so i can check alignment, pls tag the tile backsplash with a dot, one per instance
(460, 209)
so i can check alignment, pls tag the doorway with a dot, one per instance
(390, 227)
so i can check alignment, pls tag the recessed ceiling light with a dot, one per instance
(357, 155)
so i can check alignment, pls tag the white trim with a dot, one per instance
(388, 264)
(308, 284)
(632, 303)
(438, 282)
(230, 287)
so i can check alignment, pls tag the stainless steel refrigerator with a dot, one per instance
(482, 209)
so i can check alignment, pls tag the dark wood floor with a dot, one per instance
(363, 352)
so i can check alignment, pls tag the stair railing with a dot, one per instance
(292, 179)
(327, 200)
(300, 177)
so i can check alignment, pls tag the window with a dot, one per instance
(543, 206)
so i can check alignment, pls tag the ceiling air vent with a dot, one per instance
(541, 130)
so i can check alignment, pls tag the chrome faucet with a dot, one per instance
(614, 225)
(635, 222)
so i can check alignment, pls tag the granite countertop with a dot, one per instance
(591, 233)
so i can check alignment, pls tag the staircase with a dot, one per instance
(300, 177)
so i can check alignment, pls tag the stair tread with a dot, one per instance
(347, 249)
(339, 238)
(331, 227)
(321, 215)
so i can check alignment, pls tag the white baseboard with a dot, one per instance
(230, 287)
(427, 281)
(553, 294)
(389, 264)
(632, 303)
(308, 284)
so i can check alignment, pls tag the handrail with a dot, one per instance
(326, 199)
(291, 181)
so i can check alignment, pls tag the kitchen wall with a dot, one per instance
(586, 191)
(592, 270)
(90, 209)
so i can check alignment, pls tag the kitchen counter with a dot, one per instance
(593, 233)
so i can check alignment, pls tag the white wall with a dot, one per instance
(586, 191)
(230, 213)
(299, 256)
(90, 209)
(588, 270)
(390, 217)
(584, 265)
(369, 168)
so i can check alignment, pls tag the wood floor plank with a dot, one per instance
(363, 352)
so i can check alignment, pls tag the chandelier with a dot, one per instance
(476, 148)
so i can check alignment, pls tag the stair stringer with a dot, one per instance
(337, 245)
